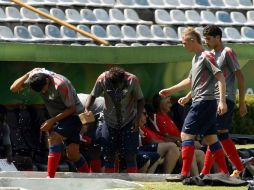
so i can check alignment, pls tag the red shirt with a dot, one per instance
(149, 136)
(165, 125)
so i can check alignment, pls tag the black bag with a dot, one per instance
(218, 179)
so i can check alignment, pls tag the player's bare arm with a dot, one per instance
(241, 86)
(186, 83)
(222, 106)
(184, 100)
(47, 125)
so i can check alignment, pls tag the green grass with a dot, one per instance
(179, 186)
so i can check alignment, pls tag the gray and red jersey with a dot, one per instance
(202, 76)
(120, 104)
(227, 61)
(60, 95)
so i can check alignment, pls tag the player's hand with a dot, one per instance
(164, 93)
(47, 125)
(222, 108)
(243, 109)
(184, 100)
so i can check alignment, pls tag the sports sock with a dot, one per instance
(53, 159)
(95, 166)
(82, 165)
(219, 156)
(208, 162)
(187, 156)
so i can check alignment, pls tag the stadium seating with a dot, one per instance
(124, 20)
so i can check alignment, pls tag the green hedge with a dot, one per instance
(244, 125)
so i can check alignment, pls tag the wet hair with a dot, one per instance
(116, 75)
(192, 33)
(212, 30)
(38, 81)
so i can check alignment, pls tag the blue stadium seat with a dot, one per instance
(21, 33)
(88, 16)
(29, 16)
(114, 32)
(247, 34)
(12, 14)
(82, 37)
(36, 33)
(6, 34)
(129, 33)
(53, 33)
(144, 33)
(102, 16)
(73, 16)
(117, 17)
(223, 18)
(58, 13)
(68, 34)
(202, 4)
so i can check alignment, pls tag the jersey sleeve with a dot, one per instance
(210, 63)
(232, 61)
(98, 87)
(66, 93)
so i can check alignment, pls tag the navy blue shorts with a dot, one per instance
(122, 140)
(143, 157)
(225, 121)
(69, 128)
(149, 147)
(201, 118)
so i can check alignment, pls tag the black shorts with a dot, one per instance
(69, 128)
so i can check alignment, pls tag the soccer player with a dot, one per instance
(124, 104)
(63, 106)
(227, 61)
(202, 115)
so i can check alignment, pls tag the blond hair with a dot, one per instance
(191, 33)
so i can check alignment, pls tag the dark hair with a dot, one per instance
(38, 81)
(156, 101)
(116, 75)
(212, 30)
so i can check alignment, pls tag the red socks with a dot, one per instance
(215, 152)
(231, 151)
(208, 163)
(187, 156)
(95, 165)
(53, 161)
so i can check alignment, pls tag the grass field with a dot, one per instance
(179, 186)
